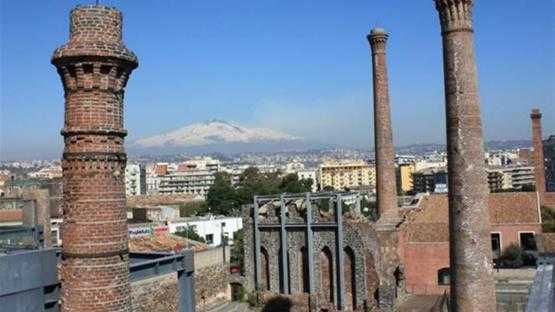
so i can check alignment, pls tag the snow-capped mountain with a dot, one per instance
(214, 132)
(221, 136)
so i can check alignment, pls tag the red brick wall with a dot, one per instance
(549, 199)
(510, 233)
(546, 242)
(422, 262)
(94, 67)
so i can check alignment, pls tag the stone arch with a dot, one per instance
(303, 273)
(265, 269)
(349, 269)
(326, 274)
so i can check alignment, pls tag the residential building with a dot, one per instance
(495, 180)
(517, 177)
(346, 174)
(195, 182)
(211, 228)
(430, 180)
(306, 174)
(50, 172)
(404, 177)
(135, 180)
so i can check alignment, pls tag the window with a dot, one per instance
(443, 276)
(496, 245)
(528, 241)
(209, 238)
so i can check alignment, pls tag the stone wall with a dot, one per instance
(211, 285)
(361, 267)
(211, 277)
(158, 294)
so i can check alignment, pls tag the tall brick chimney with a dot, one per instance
(94, 67)
(537, 156)
(472, 285)
(386, 188)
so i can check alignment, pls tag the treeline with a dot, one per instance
(224, 198)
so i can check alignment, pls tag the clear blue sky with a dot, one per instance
(299, 66)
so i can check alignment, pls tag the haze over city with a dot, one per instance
(299, 67)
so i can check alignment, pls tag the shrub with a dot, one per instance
(512, 256)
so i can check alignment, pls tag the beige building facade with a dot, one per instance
(346, 174)
(405, 177)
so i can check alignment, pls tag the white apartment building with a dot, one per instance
(309, 174)
(50, 172)
(193, 182)
(516, 177)
(192, 177)
(209, 227)
(135, 180)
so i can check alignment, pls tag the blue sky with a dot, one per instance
(299, 66)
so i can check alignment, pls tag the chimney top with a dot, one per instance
(536, 114)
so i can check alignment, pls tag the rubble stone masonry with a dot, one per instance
(94, 67)
(472, 285)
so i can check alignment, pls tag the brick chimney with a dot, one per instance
(472, 284)
(386, 180)
(537, 156)
(94, 67)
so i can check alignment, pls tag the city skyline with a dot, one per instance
(238, 70)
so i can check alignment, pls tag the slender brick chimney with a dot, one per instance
(472, 285)
(386, 188)
(537, 156)
(94, 67)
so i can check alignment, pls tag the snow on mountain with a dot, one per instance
(213, 132)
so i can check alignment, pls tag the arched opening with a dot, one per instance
(326, 274)
(372, 279)
(350, 280)
(265, 268)
(443, 276)
(304, 269)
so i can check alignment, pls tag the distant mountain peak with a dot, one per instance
(212, 132)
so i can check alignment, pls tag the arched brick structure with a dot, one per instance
(340, 266)
(265, 269)
(326, 275)
(349, 269)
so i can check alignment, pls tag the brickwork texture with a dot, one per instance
(94, 67)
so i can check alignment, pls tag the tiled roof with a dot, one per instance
(429, 221)
(11, 215)
(163, 243)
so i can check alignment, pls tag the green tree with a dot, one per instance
(291, 184)
(237, 250)
(190, 233)
(193, 208)
(253, 182)
(221, 197)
